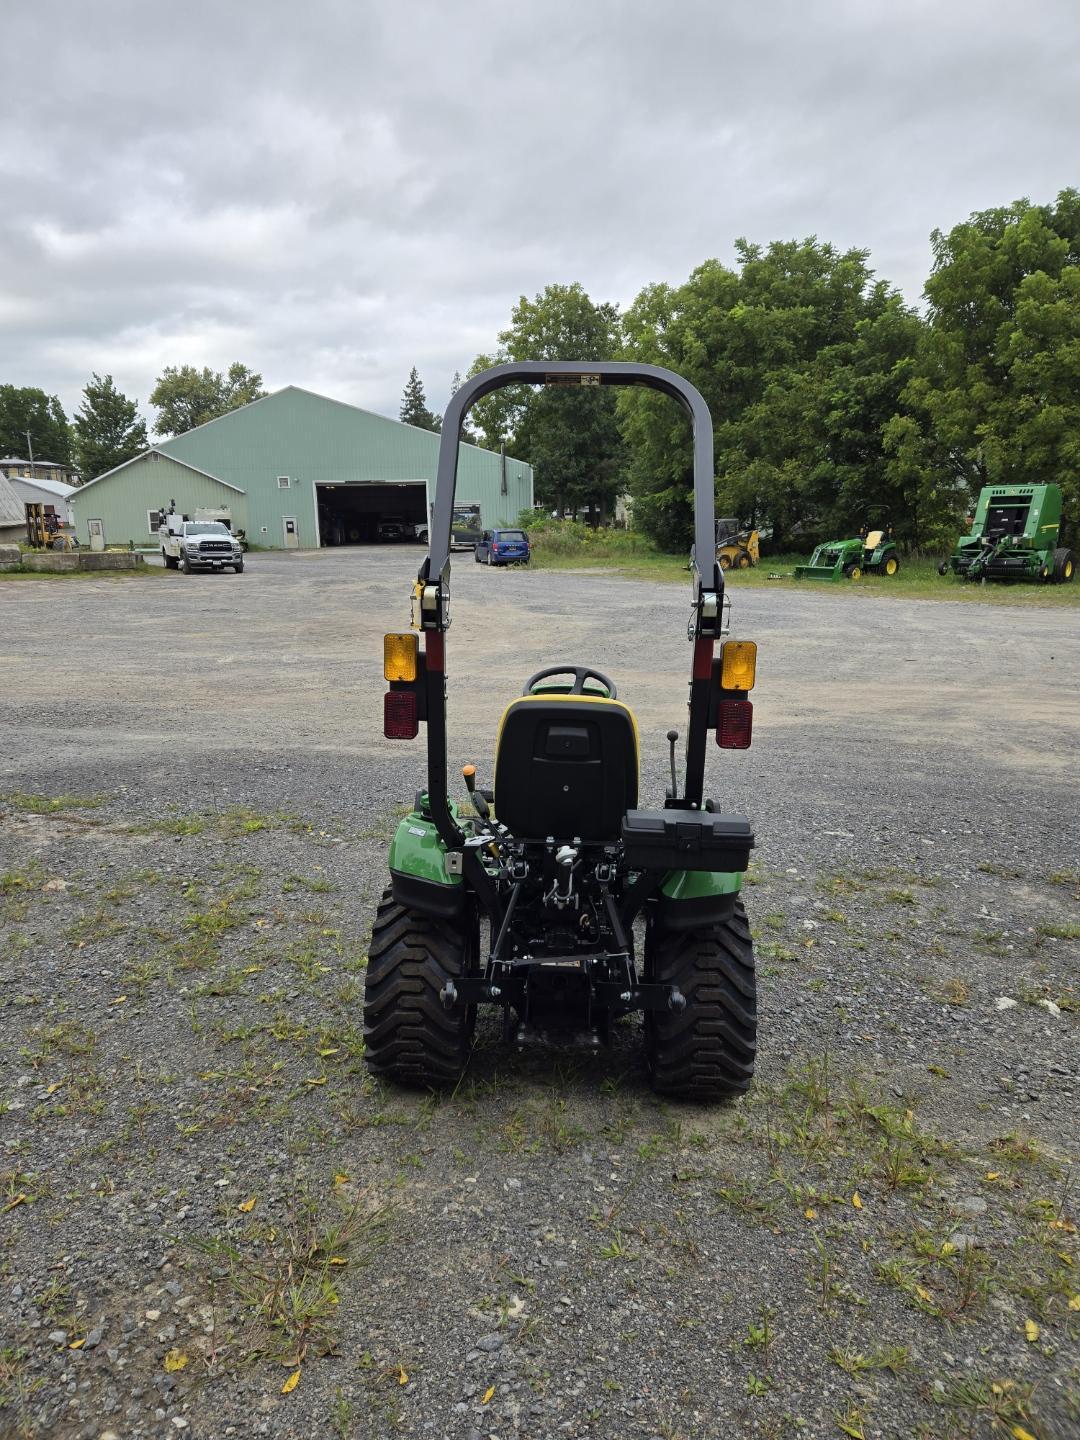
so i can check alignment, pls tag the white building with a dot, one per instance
(12, 514)
(53, 494)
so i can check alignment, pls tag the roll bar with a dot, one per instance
(432, 597)
(585, 373)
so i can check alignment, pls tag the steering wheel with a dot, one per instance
(581, 673)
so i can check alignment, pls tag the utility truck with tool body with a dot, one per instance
(555, 896)
(198, 544)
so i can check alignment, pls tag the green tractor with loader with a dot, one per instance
(873, 552)
(1014, 535)
(554, 896)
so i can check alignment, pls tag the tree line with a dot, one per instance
(835, 403)
(107, 429)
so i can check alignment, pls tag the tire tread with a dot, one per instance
(409, 1036)
(706, 1051)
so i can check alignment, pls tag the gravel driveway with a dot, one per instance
(204, 1195)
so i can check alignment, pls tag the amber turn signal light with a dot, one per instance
(399, 657)
(739, 665)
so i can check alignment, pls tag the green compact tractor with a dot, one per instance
(851, 559)
(1014, 536)
(554, 896)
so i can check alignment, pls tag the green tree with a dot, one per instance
(187, 397)
(999, 389)
(802, 357)
(569, 434)
(468, 434)
(495, 416)
(25, 409)
(414, 408)
(108, 429)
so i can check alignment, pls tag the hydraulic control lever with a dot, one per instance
(672, 736)
(479, 802)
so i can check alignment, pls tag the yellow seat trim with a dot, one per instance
(592, 700)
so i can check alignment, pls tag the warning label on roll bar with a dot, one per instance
(583, 379)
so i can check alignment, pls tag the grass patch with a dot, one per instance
(285, 1277)
(50, 804)
(1068, 930)
(572, 545)
(893, 1358)
(179, 825)
(142, 572)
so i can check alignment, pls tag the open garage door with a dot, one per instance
(382, 512)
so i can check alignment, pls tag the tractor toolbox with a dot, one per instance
(686, 840)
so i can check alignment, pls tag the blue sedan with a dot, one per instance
(503, 547)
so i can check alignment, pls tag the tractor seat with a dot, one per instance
(873, 540)
(566, 766)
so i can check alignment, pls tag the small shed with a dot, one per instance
(53, 494)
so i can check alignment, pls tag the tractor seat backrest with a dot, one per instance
(566, 765)
(873, 539)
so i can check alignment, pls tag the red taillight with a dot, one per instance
(399, 715)
(494, 549)
(735, 722)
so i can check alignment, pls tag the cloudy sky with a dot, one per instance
(333, 191)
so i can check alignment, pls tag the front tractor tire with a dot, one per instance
(705, 1051)
(410, 1036)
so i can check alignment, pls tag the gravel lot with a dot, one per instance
(203, 1194)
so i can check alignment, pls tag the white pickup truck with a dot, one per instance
(188, 545)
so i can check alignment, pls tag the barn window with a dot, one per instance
(153, 519)
(283, 482)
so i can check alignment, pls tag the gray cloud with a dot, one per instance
(335, 191)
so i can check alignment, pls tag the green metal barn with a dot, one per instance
(297, 470)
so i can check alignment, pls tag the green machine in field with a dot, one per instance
(851, 559)
(1014, 536)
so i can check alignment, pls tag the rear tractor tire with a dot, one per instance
(705, 1051)
(409, 1035)
(1064, 566)
(743, 562)
(891, 565)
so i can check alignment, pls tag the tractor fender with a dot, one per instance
(418, 873)
(691, 898)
